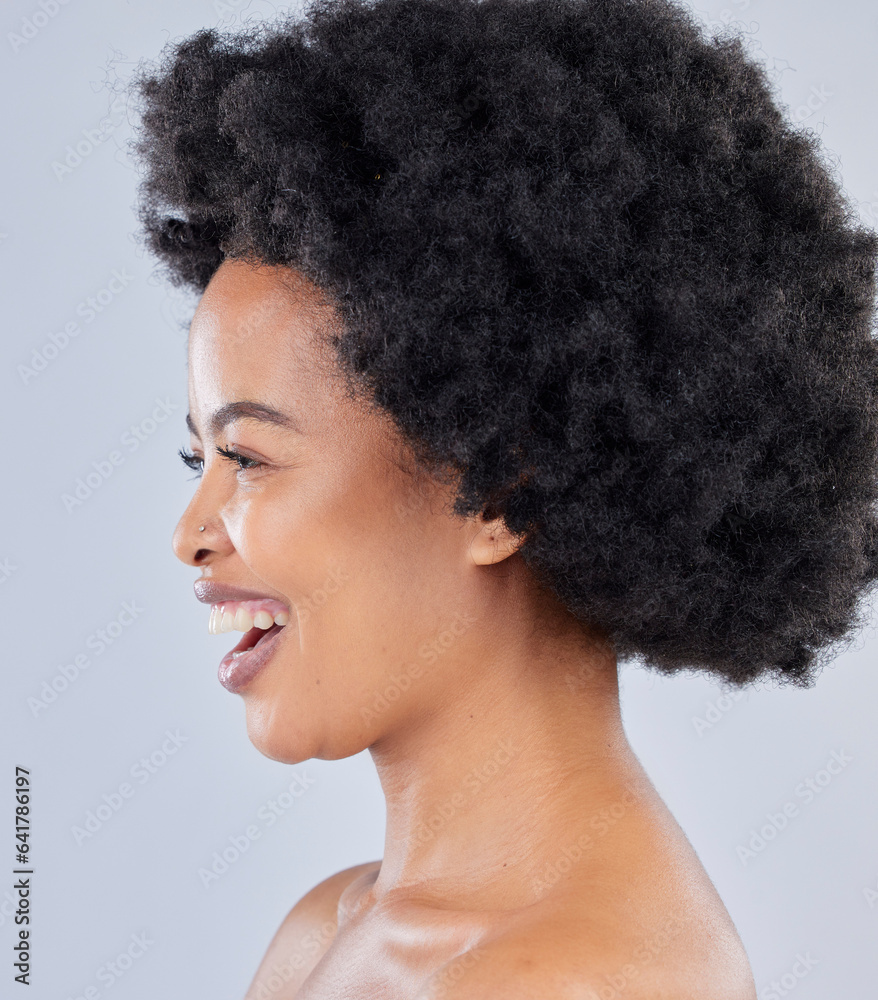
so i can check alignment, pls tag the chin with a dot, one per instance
(282, 737)
(273, 739)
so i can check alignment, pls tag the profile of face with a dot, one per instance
(391, 597)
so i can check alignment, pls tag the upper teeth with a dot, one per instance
(242, 620)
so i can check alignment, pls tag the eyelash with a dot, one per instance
(197, 464)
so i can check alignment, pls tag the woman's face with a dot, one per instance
(387, 603)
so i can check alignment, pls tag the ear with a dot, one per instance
(493, 542)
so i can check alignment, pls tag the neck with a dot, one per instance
(524, 748)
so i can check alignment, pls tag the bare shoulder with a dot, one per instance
(675, 959)
(304, 935)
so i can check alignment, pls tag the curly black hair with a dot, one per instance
(582, 258)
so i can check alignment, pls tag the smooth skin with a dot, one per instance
(527, 854)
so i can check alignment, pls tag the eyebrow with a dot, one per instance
(245, 409)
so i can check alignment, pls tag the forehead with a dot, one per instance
(255, 335)
(249, 306)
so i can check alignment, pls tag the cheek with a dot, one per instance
(296, 541)
(367, 654)
(273, 529)
(372, 593)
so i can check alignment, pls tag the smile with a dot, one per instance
(242, 616)
(261, 621)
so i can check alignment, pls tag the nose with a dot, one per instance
(194, 546)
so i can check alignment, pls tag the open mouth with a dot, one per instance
(256, 643)
(254, 651)
(249, 640)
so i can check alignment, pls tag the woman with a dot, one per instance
(532, 339)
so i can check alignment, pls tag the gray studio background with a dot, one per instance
(132, 891)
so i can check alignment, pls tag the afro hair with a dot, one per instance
(581, 258)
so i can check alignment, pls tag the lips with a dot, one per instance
(240, 665)
(256, 646)
(214, 592)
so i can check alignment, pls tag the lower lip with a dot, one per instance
(237, 671)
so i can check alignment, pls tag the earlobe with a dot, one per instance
(494, 542)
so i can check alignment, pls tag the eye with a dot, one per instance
(239, 459)
(196, 464)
